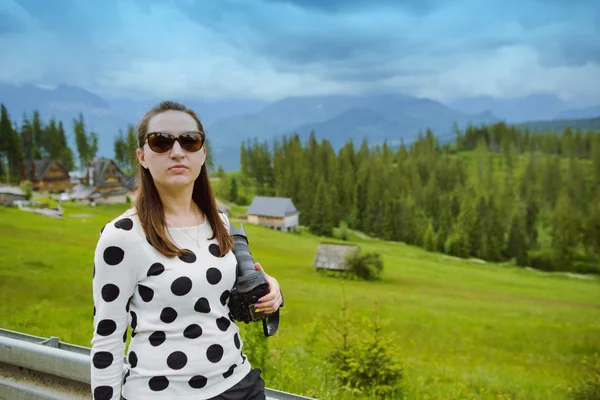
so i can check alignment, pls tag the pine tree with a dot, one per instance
(27, 141)
(10, 148)
(39, 140)
(565, 232)
(5, 140)
(131, 145)
(81, 141)
(592, 228)
(233, 190)
(321, 223)
(595, 156)
(429, 241)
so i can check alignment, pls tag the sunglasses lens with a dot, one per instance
(160, 143)
(191, 142)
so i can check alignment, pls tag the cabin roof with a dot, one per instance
(272, 206)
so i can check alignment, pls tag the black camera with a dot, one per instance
(249, 287)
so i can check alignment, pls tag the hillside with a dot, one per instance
(561, 124)
(462, 329)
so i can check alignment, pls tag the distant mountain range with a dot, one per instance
(338, 118)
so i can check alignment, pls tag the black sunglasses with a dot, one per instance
(161, 142)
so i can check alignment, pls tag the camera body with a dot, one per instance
(250, 286)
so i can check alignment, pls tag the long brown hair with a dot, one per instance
(149, 206)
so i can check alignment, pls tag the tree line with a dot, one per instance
(33, 139)
(496, 193)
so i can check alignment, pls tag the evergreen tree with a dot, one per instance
(233, 190)
(592, 228)
(40, 145)
(131, 145)
(81, 141)
(565, 232)
(321, 222)
(27, 141)
(429, 241)
(10, 148)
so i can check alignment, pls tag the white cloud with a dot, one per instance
(511, 71)
(141, 49)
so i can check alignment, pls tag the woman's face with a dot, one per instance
(176, 167)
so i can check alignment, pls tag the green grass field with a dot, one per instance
(463, 330)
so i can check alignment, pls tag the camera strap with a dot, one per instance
(271, 323)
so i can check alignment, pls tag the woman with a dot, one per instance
(165, 267)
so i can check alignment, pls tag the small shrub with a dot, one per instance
(343, 233)
(27, 187)
(367, 365)
(367, 266)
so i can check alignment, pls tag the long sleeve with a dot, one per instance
(114, 281)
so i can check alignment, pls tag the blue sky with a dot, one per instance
(269, 49)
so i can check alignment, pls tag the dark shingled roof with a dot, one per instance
(272, 207)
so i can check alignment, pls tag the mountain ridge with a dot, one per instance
(339, 118)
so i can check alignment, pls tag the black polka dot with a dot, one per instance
(193, 331)
(229, 372)
(94, 311)
(157, 338)
(102, 359)
(214, 250)
(125, 336)
(188, 256)
(177, 360)
(125, 224)
(236, 340)
(110, 292)
(94, 271)
(214, 353)
(145, 293)
(103, 393)
(133, 320)
(243, 357)
(213, 276)
(106, 327)
(133, 333)
(128, 304)
(113, 255)
(198, 382)
(181, 286)
(102, 230)
(223, 323)
(158, 383)
(156, 269)
(202, 305)
(224, 297)
(133, 360)
(168, 315)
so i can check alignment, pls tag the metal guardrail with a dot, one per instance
(37, 368)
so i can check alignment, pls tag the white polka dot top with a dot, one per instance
(183, 343)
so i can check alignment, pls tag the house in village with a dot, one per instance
(11, 194)
(103, 182)
(332, 256)
(46, 175)
(274, 212)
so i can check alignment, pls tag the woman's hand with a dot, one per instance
(269, 303)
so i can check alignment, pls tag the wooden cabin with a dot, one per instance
(46, 175)
(274, 212)
(332, 256)
(103, 182)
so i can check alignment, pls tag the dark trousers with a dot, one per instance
(252, 387)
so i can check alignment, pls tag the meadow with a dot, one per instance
(461, 329)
